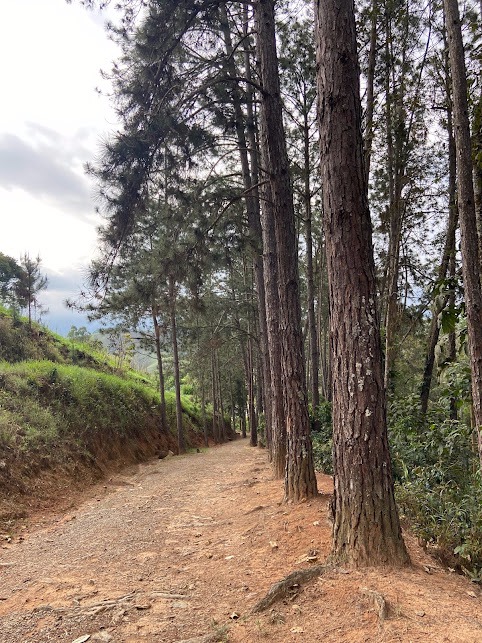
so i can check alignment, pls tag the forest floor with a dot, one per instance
(182, 549)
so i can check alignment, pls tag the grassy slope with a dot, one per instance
(65, 412)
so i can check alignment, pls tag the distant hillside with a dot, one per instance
(19, 342)
(66, 414)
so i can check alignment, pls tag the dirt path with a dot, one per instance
(180, 548)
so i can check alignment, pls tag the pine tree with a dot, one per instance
(298, 85)
(466, 207)
(366, 525)
(300, 480)
(11, 273)
(30, 284)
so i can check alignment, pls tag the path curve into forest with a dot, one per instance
(181, 549)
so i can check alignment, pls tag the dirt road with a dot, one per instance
(183, 548)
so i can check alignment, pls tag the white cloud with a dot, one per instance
(55, 53)
(43, 172)
(64, 286)
(34, 226)
(51, 122)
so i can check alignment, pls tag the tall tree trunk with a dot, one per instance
(394, 171)
(310, 284)
(466, 206)
(390, 161)
(452, 352)
(277, 444)
(249, 364)
(478, 197)
(203, 410)
(272, 423)
(366, 524)
(160, 370)
(232, 413)
(181, 444)
(252, 209)
(221, 404)
(300, 479)
(477, 151)
(323, 325)
(29, 307)
(214, 394)
(448, 258)
(372, 59)
(243, 422)
(253, 420)
(264, 432)
(278, 433)
(399, 129)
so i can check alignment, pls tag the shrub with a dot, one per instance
(321, 437)
(438, 483)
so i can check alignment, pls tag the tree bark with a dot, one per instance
(478, 200)
(395, 170)
(253, 420)
(181, 444)
(243, 423)
(232, 414)
(249, 363)
(310, 285)
(278, 433)
(203, 411)
(253, 211)
(466, 207)
(366, 524)
(323, 328)
(477, 152)
(448, 258)
(244, 410)
(214, 394)
(160, 370)
(452, 352)
(372, 58)
(300, 479)
(220, 397)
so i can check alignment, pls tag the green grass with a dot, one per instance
(64, 406)
(42, 402)
(19, 342)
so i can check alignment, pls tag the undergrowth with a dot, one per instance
(43, 402)
(321, 437)
(49, 405)
(438, 482)
(437, 478)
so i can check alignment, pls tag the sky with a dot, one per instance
(52, 120)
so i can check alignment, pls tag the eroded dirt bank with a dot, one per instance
(184, 548)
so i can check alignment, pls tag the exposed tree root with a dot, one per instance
(379, 602)
(284, 587)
